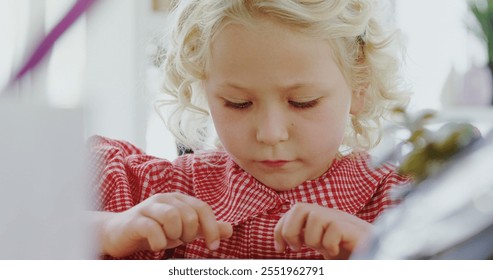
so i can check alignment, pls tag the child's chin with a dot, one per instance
(283, 184)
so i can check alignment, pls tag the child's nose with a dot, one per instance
(272, 127)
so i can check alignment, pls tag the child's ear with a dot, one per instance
(358, 100)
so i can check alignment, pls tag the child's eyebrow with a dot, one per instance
(235, 86)
(297, 86)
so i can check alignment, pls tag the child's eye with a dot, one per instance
(237, 105)
(304, 105)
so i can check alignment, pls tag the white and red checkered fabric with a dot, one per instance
(123, 176)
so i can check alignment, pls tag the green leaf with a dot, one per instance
(485, 20)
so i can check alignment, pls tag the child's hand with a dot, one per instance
(160, 222)
(331, 232)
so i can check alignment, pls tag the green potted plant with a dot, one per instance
(483, 12)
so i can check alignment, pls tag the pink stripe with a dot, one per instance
(49, 40)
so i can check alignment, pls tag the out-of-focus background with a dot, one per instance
(103, 63)
(104, 68)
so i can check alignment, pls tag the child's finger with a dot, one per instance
(191, 226)
(186, 227)
(149, 229)
(225, 230)
(314, 231)
(279, 243)
(209, 227)
(189, 221)
(169, 216)
(293, 226)
(331, 239)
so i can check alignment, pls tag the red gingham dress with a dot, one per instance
(123, 176)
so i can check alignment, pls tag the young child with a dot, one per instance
(288, 84)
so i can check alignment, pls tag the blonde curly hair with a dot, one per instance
(363, 50)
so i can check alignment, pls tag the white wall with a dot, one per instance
(113, 90)
(121, 82)
(440, 49)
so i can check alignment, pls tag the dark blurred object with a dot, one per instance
(448, 212)
(431, 149)
(183, 150)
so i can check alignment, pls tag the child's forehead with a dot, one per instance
(261, 25)
(266, 33)
(264, 26)
(278, 59)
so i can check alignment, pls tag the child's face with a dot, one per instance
(278, 101)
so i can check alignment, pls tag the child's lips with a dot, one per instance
(274, 163)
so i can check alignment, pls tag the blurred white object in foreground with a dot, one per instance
(447, 216)
(41, 183)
